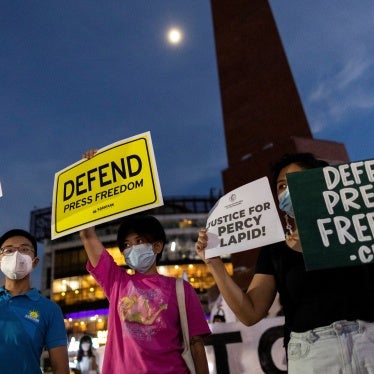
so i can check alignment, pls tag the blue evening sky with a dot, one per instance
(79, 74)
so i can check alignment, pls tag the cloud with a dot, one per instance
(338, 96)
(330, 48)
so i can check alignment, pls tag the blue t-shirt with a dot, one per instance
(28, 323)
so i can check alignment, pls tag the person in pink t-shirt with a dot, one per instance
(144, 329)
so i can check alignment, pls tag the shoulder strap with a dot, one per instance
(182, 311)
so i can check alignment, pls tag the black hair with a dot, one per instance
(84, 339)
(146, 226)
(20, 232)
(305, 160)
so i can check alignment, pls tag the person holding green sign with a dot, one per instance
(329, 314)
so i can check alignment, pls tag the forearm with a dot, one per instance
(199, 355)
(238, 301)
(61, 371)
(248, 307)
(92, 245)
(59, 360)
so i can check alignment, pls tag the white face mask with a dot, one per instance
(85, 346)
(285, 203)
(140, 257)
(16, 265)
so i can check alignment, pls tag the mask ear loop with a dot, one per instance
(289, 231)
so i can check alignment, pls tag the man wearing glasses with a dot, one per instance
(29, 322)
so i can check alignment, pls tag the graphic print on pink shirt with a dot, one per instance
(139, 311)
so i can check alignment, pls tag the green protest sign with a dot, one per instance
(334, 211)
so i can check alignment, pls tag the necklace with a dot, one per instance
(293, 241)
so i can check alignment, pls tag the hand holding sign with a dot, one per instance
(90, 153)
(243, 219)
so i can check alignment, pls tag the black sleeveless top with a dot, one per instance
(312, 299)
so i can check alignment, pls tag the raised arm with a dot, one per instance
(92, 244)
(249, 307)
(90, 240)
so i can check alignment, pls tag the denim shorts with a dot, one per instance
(345, 347)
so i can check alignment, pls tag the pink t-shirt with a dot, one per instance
(144, 333)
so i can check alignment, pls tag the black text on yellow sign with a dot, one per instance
(120, 179)
(102, 178)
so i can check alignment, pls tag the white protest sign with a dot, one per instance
(243, 219)
(1, 191)
(235, 348)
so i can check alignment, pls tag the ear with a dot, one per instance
(35, 262)
(157, 246)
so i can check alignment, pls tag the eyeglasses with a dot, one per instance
(24, 249)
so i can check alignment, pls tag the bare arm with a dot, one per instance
(249, 307)
(59, 360)
(199, 355)
(90, 240)
(92, 244)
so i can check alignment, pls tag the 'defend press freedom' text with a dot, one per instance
(350, 187)
(99, 177)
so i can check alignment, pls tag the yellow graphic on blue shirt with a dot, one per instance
(33, 315)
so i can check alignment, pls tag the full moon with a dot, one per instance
(174, 36)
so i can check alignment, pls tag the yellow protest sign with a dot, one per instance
(121, 179)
